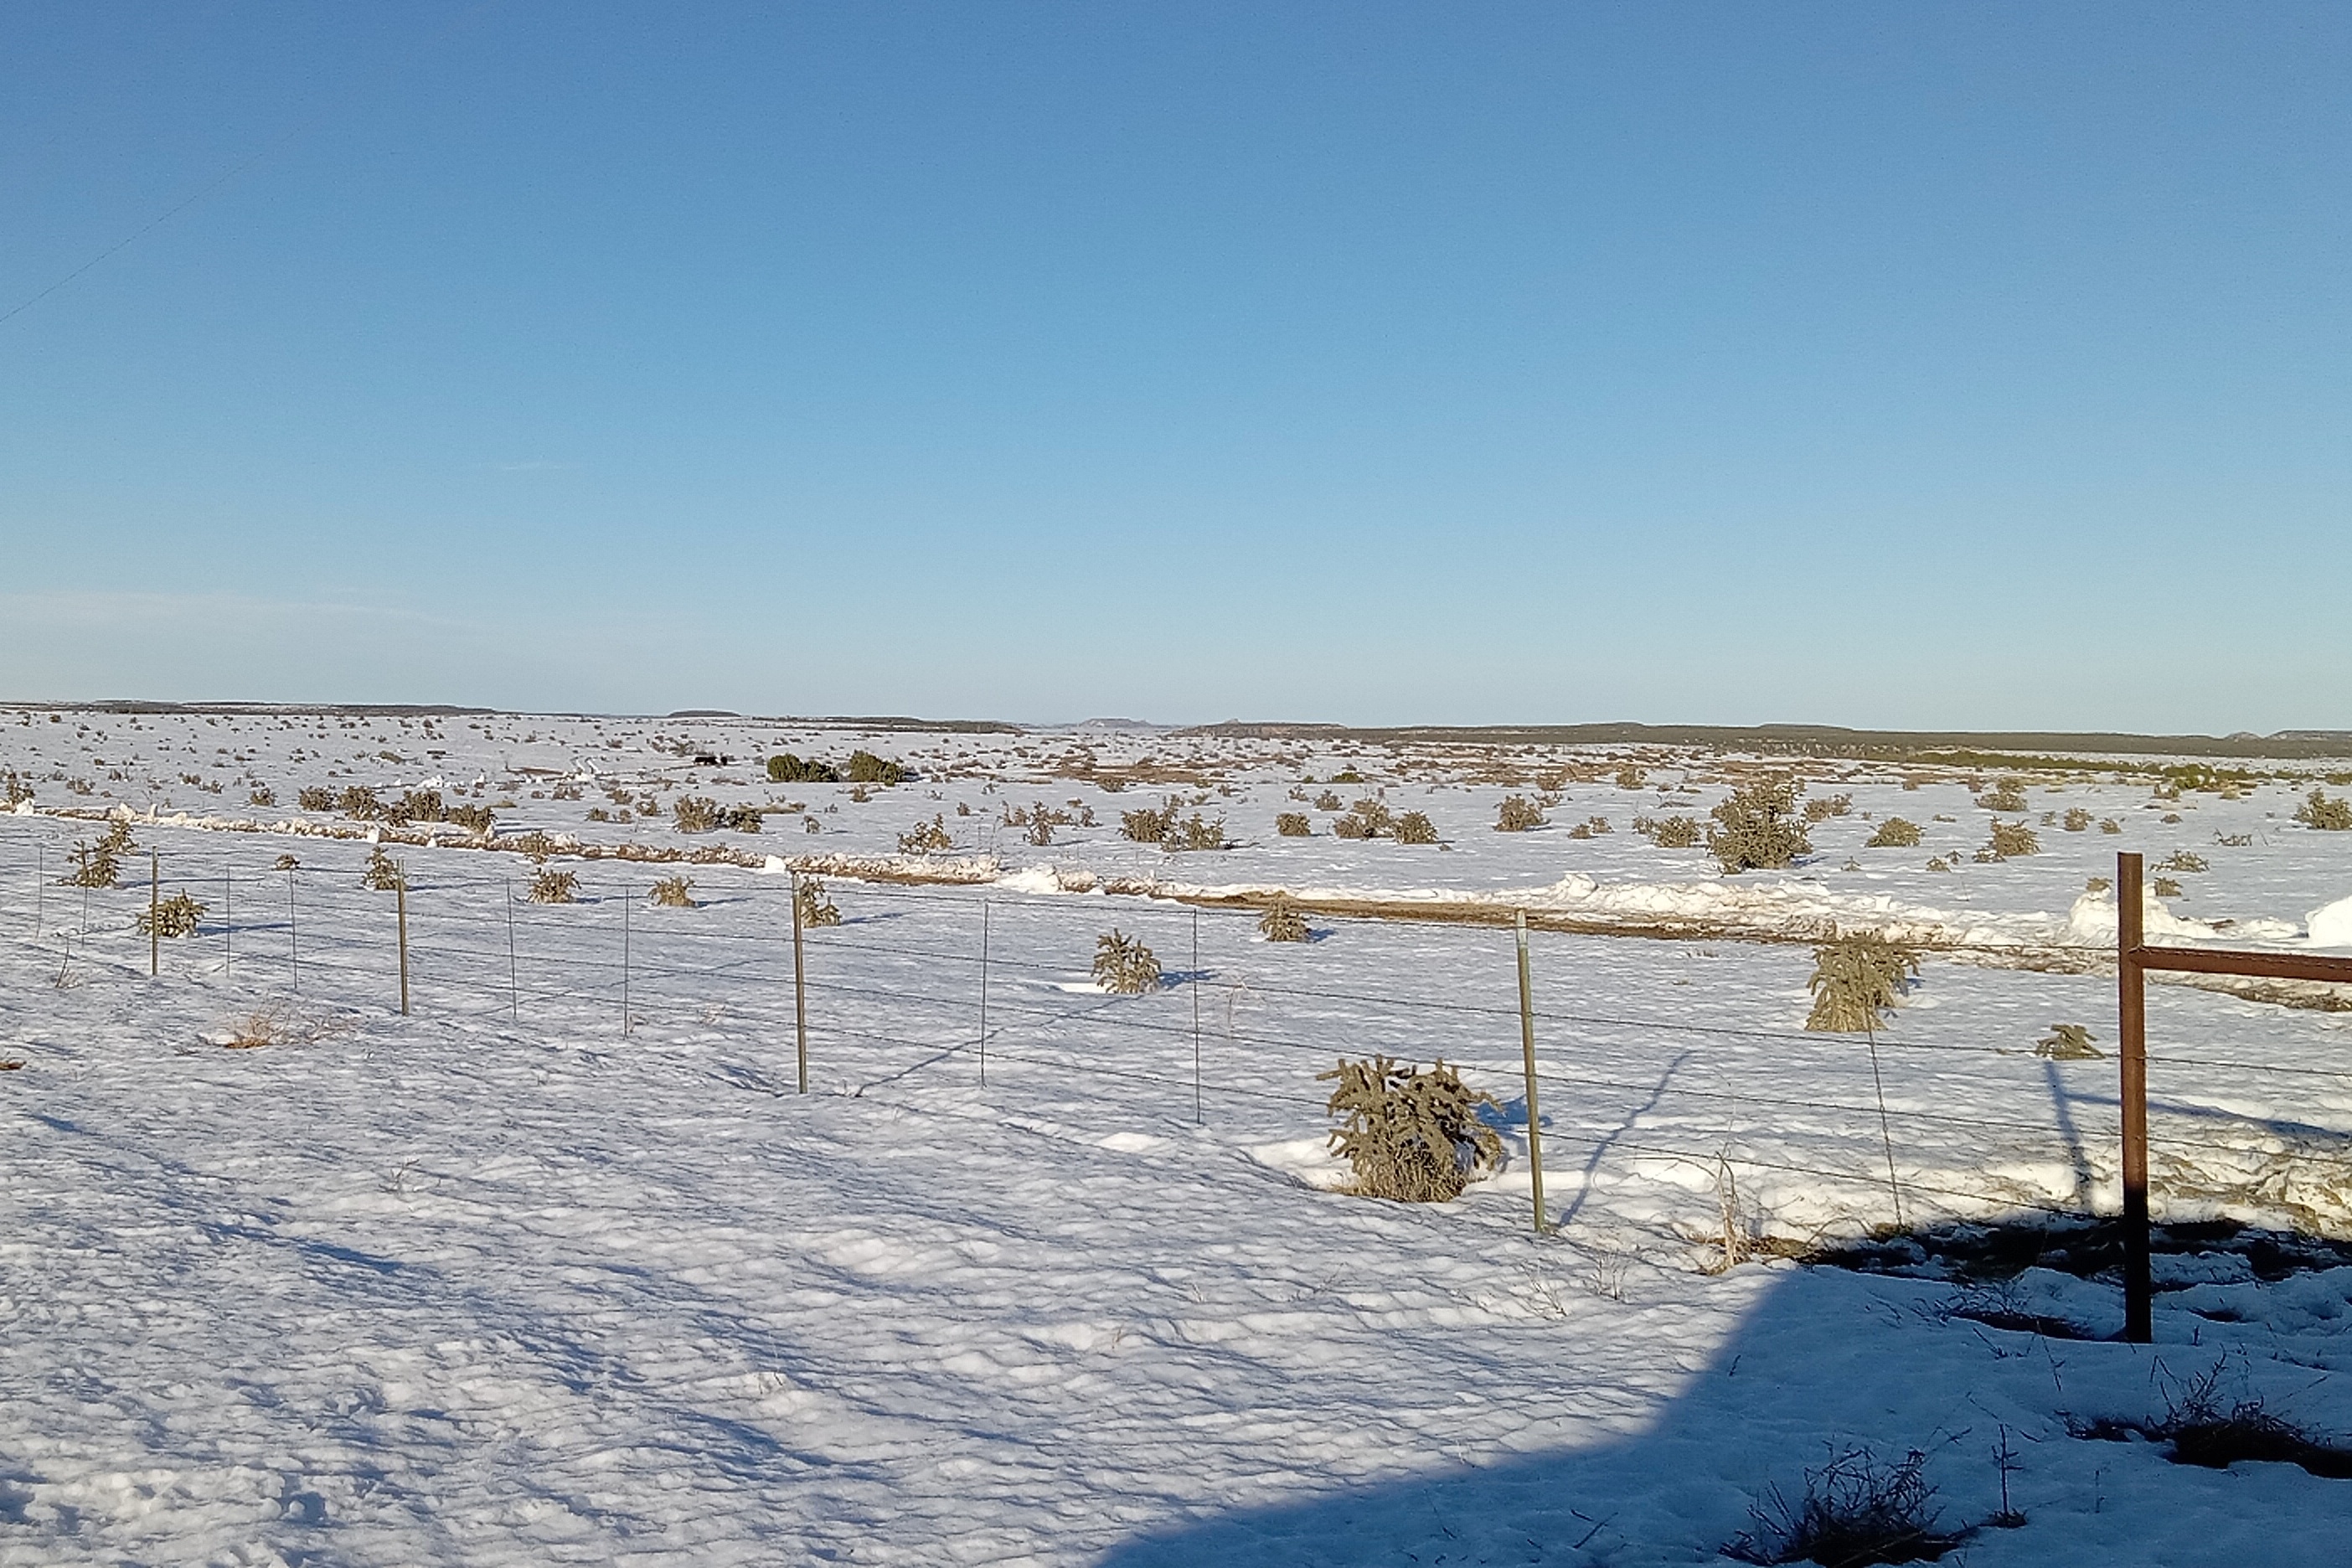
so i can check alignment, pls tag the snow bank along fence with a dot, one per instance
(917, 983)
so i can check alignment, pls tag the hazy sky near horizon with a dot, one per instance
(1916, 366)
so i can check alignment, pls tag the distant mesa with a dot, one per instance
(703, 713)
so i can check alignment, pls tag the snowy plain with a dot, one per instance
(558, 1266)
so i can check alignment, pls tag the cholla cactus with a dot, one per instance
(1125, 966)
(1412, 1136)
(1283, 922)
(1856, 980)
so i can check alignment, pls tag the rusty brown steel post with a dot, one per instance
(2131, 1033)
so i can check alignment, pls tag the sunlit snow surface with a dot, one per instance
(496, 1282)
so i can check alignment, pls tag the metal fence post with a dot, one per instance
(983, 993)
(2131, 1032)
(154, 916)
(799, 989)
(400, 903)
(1528, 1050)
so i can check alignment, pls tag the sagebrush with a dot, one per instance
(1895, 833)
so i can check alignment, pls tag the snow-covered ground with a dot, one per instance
(558, 1268)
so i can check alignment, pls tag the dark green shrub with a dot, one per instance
(1757, 827)
(1669, 833)
(787, 768)
(1124, 966)
(1292, 825)
(739, 819)
(1414, 827)
(864, 767)
(1895, 833)
(1415, 1137)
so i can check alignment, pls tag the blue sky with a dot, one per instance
(1915, 367)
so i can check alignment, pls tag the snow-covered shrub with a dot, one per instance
(927, 837)
(174, 916)
(1327, 801)
(1412, 1136)
(381, 872)
(673, 893)
(1895, 833)
(1282, 923)
(815, 909)
(1124, 966)
(14, 789)
(2328, 816)
(1757, 827)
(2109, 825)
(263, 797)
(549, 886)
(1857, 978)
(1292, 825)
(2165, 888)
(1414, 827)
(1518, 815)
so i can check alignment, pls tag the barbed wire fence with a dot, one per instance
(923, 985)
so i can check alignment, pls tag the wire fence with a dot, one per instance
(1653, 1064)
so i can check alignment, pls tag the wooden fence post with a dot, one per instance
(2131, 1032)
(1528, 1050)
(799, 989)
